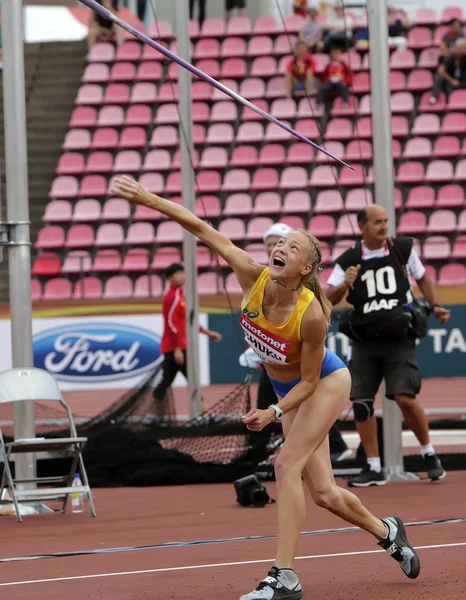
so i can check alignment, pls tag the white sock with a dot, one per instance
(429, 449)
(374, 464)
(288, 578)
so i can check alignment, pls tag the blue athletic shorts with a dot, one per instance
(331, 363)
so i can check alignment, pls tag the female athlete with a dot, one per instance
(285, 316)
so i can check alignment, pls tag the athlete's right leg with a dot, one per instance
(169, 370)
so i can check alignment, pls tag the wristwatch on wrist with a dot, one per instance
(278, 412)
(437, 305)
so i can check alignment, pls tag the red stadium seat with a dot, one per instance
(353, 177)
(264, 179)
(425, 106)
(235, 68)
(436, 248)
(400, 126)
(133, 137)
(233, 47)
(207, 48)
(154, 182)
(87, 211)
(234, 229)
(90, 288)
(329, 201)
(123, 72)
(149, 71)
(167, 114)
(459, 248)
(339, 129)
(451, 196)
(362, 83)
(71, 163)
(421, 197)
(283, 109)
(276, 87)
(50, 238)
(272, 154)
(57, 211)
(230, 285)
(209, 182)
(258, 253)
(252, 115)
(442, 221)
(207, 284)
(418, 147)
(96, 73)
(412, 223)
(117, 93)
(130, 51)
(296, 202)
(168, 92)
(293, 221)
(264, 67)
(99, 162)
(454, 123)
(257, 227)
(322, 226)
(93, 186)
(207, 207)
(268, 203)
(164, 257)
(117, 209)
(106, 261)
(260, 45)
(299, 153)
(80, 236)
(307, 107)
(111, 116)
(210, 66)
(47, 265)
(77, 262)
(169, 232)
(83, 116)
(419, 38)
(105, 138)
(147, 286)
(451, 12)
(239, 26)
(57, 289)
(452, 275)
(140, 234)
(358, 150)
(420, 80)
(236, 180)
(447, 146)
(410, 172)
(348, 225)
(244, 156)
(358, 198)
(77, 139)
(238, 205)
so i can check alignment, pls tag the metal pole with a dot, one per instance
(384, 194)
(18, 211)
(189, 242)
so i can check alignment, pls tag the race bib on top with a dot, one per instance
(270, 348)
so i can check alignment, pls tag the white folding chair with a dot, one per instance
(22, 385)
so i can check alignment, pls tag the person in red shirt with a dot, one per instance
(174, 340)
(300, 71)
(336, 78)
(300, 7)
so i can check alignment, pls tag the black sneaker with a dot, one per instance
(434, 468)
(367, 477)
(274, 587)
(397, 545)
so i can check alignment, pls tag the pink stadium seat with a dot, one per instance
(93, 186)
(99, 162)
(251, 115)
(50, 238)
(86, 211)
(235, 68)
(462, 222)
(358, 198)
(274, 133)
(157, 160)
(238, 205)
(284, 44)
(230, 285)
(123, 72)
(339, 129)
(265, 26)
(233, 47)
(80, 236)
(133, 137)
(410, 172)
(340, 110)
(460, 170)
(177, 160)
(265, 179)
(207, 207)
(200, 112)
(264, 66)
(147, 286)
(154, 182)
(442, 221)
(111, 116)
(117, 209)
(348, 225)
(402, 102)
(258, 253)
(127, 161)
(213, 28)
(322, 226)
(96, 73)
(257, 227)
(419, 38)
(199, 135)
(47, 265)
(358, 150)
(105, 138)
(454, 123)
(329, 201)
(117, 93)
(214, 157)
(149, 53)
(130, 51)
(403, 60)
(260, 45)
(298, 154)
(239, 26)
(71, 163)
(164, 136)
(452, 275)
(207, 284)
(297, 202)
(224, 111)
(439, 171)
(362, 83)
(77, 262)
(426, 16)
(83, 116)
(244, 156)
(106, 261)
(421, 197)
(365, 107)
(236, 180)
(77, 139)
(420, 80)
(451, 12)
(334, 147)
(323, 176)
(64, 187)
(354, 178)
(210, 66)
(268, 203)
(428, 59)
(161, 30)
(102, 52)
(57, 289)
(149, 71)
(426, 125)
(307, 107)
(276, 87)
(436, 248)
(425, 105)
(283, 109)
(167, 114)
(418, 147)
(209, 182)
(412, 223)
(451, 196)
(90, 288)
(400, 126)
(447, 146)
(144, 93)
(164, 257)
(229, 83)
(340, 247)
(233, 229)
(293, 221)
(109, 234)
(220, 133)
(364, 127)
(168, 92)
(169, 232)
(57, 211)
(459, 248)
(90, 94)
(140, 234)
(250, 133)
(207, 48)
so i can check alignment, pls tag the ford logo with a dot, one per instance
(96, 352)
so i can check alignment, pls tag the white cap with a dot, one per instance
(279, 229)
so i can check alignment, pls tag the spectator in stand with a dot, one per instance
(340, 29)
(451, 74)
(447, 44)
(231, 4)
(103, 28)
(336, 78)
(312, 32)
(300, 72)
(201, 9)
(398, 23)
(300, 7)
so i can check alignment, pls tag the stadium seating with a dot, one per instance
(248, 171)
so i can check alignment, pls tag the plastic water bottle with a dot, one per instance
(76, 497)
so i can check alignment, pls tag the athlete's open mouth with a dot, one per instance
(278, 261)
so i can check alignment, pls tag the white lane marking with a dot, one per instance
(212, 566)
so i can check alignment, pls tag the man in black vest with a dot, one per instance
(374, 273)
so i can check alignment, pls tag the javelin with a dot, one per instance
(106, 14)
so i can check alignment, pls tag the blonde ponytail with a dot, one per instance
(311, 281)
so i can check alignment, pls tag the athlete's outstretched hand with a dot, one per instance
(256, 419)
(128, 188)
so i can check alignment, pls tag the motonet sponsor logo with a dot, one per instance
(268, 347)
(265, 336)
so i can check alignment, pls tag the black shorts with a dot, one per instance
(231, 4)
(395, 362)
